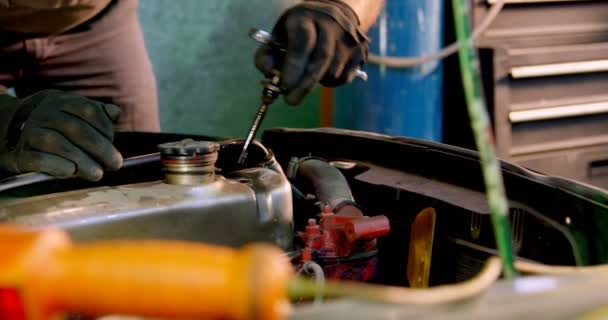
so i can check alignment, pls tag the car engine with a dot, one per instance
(360, 206)
(204, 195)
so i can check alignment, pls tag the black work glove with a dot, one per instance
(323, 44)
(58, 133)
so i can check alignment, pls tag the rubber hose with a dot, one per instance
(325, 181)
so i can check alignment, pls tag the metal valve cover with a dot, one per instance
(251, 205)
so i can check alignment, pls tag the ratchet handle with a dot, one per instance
(166, 279)
(171, 280)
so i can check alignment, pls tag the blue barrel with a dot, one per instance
(397, 101)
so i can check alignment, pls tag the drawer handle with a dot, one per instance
(532, 1)
(560, 112)
(556, 69)
(598, 168)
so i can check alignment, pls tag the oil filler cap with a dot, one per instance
(189, 162)
(188, 147)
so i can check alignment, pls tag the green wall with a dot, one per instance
(203, 60)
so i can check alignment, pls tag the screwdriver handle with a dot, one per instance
(166, 279)
(265, 37)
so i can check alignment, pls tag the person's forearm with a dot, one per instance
(367, 10)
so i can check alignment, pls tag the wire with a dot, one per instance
(316, 270)
(300, 287)
(539, 268)
(407, 62)
(482, 132)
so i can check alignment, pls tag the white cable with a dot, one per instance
(448, 293)
(539, 268)
(316, 270)
(406, 62)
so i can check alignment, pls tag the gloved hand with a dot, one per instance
(58, 133)
(323, 44)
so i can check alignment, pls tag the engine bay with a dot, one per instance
(363, 207)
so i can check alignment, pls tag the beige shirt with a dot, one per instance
(47, 16)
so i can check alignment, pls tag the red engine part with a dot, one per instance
(344, 243)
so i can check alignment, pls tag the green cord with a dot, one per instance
(495, 193)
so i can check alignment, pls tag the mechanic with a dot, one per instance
(81, 72)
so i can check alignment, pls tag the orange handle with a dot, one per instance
(157, 279)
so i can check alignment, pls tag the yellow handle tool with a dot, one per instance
(44, 276)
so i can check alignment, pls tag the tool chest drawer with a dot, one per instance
(562, 97)
(550, 109)
(555, 82)
(589, 165)
(550, 98)
(540, 22)
(558, 134)
(576, 91)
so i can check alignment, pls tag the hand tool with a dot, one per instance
(269, 94)
(37, 177)
(44, 276)
(264, 37)
(271, 89)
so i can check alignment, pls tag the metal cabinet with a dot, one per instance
(545, 22)
(549, 62)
